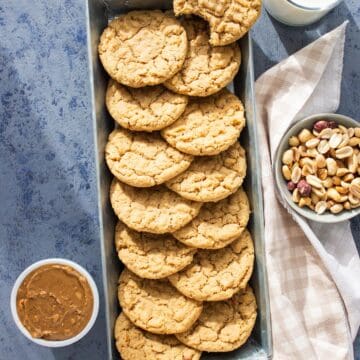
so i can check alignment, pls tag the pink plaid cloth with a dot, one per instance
(314, 270)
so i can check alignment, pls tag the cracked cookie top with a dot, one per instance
(145, 109)
(224, 325)
(155, 305)
(143, 160)
(216, 275)
(229, 20)
(134, 343)
(151, 256)
(218, 224)
(143, 48)
(212, 178)
(208, 126)
(155, 210)
(206, 69)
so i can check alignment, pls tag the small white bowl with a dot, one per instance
(281, 183)
(55, 343)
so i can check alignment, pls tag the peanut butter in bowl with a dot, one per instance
(54, 303)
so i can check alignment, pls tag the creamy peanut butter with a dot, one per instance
(54, 302)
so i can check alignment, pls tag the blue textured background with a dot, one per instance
(47, 174)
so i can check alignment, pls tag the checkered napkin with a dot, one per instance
(313, 269)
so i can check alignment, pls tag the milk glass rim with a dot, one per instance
(329, 6)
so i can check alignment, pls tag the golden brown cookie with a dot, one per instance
(155, 305)
(156, 210)
(212, 178)
(145, 109)
(151, 256)
(229, 20)
(208, 126)
(143, 48)
(224, 325)
(216, 275)
(218, 224)
(206, 69)
(142, 160)
(134, 343)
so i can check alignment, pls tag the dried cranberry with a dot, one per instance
(304, 188)
(321, 125)
(333, 124)
(291, 186)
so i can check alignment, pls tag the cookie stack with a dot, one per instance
(178, 171)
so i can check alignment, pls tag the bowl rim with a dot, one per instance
(54, 343)
(280, 182)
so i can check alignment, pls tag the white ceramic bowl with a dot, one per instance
(281, 183)
(55, 343)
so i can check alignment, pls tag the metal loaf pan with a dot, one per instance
(99, 13)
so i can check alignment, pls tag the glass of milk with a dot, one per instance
(299, 12)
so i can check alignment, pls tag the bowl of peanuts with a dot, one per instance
(317, 167)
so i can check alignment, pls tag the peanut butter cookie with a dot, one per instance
(134, 343)
(212, 178)
(151, 256)
(143, 48)
(208, 126)
(155, 305)
(216, 275)
(224, 325)
(229, 20)
(145, 109)
(143, 160)
(218, 224)
(206, 69)
(156, 210)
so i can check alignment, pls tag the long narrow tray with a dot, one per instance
(99, 13)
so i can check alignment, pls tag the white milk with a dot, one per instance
(299, 12)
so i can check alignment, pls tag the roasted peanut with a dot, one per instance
(307, 170)
(335, 140)
(288, 157)
(322, 174)
(336, 180)
(343, 129)
(295, 174)
(335, 209)
(305, 135)
(314, 181)
(342, 190)
(323, 147)
(331, 166)
(321, 207)
(354, 141)
(312, 143)
(296, 196)
(344, 152)
(333, 194)
(320, 161)
(352, 163)
(294, 141)
(326, 133)
(314, 198)
(342, 171)
(355, 188)
(286, 172)
(350, 132)
(348, 177)
(305, 201)
(328, 182)
(344, 142)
